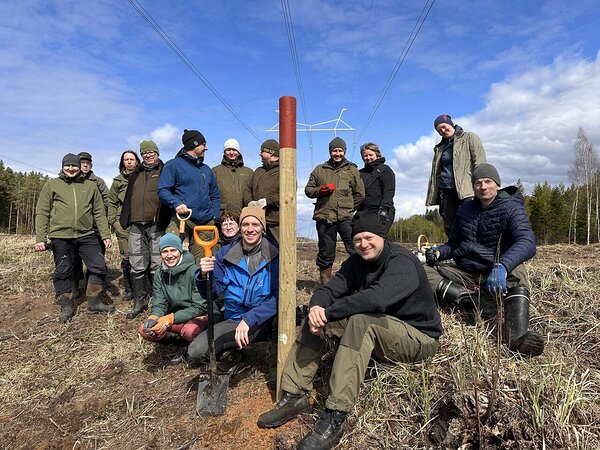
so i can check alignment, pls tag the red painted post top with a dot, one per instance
(287, 122)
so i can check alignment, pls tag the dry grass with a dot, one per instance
(93, 383)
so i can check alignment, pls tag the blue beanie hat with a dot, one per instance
(170, 240)
(443, 118)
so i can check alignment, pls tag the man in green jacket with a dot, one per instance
(232, 177)
(67, 210)
(339, 190)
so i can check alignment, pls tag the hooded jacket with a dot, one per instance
(347, 196)
(232, 177)
(380, 186)
(68, 208)
(264, 183)
(187, 180)
(174, 291)
(468, 152)
(478, 231)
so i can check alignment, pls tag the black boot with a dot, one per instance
(97, 301)
(449, 293)
(516, 322)
(326, 433)
(78, 291)
(140, 296)
(126, 270)
(68, 307)
(290, 406)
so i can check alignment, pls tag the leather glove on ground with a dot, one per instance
(432, 255)
(496, 282)
(162, 324)
(326, 189)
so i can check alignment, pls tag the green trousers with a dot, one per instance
(387, 338)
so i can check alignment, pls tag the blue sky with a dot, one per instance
(94, 76)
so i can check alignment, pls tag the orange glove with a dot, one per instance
(163, 324)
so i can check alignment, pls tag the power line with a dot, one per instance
(366, 26)
(28, 165)
(171, 44)
(407, 46)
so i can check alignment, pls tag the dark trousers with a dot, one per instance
(327, 234)
(67, 252)
(449, 203)
(77, 273)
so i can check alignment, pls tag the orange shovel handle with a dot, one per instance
(206, 245)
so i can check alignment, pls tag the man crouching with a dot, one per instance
(379, 303)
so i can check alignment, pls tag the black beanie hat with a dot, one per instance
(368, 222)
(192, 139)
(337, 142)
(270, 146)
(485, 170)
(443, 118)
(85, 156)
(71, 159)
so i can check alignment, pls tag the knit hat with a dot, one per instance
(231, 143)
(170, 240)
(270, 146)
(485, 170)
(255, 210)
(71, 160)
(85, 156)
(368, 222)
(443, 118)
(337, 142)
(192, 139)
(371, 146)
(148, 146)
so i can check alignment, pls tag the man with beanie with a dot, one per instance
(245, 274)
(188, 185)
(454, 159)
(339, 190)
(88, 173)
(264, 183)
(490, 241)
(232, 177)
(380, 305)
(68, 209)
(146, 217)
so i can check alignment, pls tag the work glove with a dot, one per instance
(382, 214)
(326, 189)
(148, 324)
(432, 255)
(162, 324)
(496, 282)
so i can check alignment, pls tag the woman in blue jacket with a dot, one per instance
(245, 275)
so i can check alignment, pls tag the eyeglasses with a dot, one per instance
(228, 223)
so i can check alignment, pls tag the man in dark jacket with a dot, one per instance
(146, 217)
(265, 184)
(339, 190)
(379, 304)
(490, 240)
(232, 177)
(189, 188)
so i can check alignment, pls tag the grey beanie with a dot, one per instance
(71, 160)
(337, 142)
(485, 170)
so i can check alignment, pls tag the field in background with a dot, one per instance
(93, 383)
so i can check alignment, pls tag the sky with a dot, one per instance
(94, 76)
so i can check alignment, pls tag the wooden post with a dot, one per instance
(286, 332)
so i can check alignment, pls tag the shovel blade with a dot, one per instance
(212, 394)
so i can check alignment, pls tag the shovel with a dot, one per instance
(182, 233)
(212, 385)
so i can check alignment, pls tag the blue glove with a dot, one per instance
(496, 282)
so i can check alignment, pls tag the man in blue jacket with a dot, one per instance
(185, 184)
(489, 242)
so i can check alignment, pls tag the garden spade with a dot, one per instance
(182, 233)
(212, 385)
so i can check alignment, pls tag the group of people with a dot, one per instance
(382, 303)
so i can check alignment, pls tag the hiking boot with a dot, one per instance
(68, 307)
(140, 296)
(126, 270)
(97, 302)
(289, 407)
(326, 433)
(325, 274)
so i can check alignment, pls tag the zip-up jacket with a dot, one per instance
(101, 186)
(69, 208)
(116, 196)
(187, 180)
(264, 183)
(252, 298)
(380, 186)
(232, 177)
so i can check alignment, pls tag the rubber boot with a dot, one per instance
(140, 296)
(68, 307)
(126, 269)
(96, 300)
(516, 322)
(325, 274)
(449, 293)
(78, 291)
